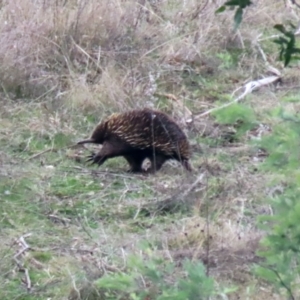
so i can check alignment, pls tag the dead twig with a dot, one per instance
(27, 278)
(24, 247)
(74, 146)
(41, 153)
(55, 218)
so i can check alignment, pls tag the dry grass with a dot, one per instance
(67, 64)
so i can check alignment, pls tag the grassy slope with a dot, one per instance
(79, 221)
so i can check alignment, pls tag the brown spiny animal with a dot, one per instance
(137, 135)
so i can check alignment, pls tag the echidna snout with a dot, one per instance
(87, 141)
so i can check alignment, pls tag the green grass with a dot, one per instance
(71, 210)
(74, 216)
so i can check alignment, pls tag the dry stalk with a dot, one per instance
(185, 113)
(24, 247)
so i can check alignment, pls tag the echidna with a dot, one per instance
(140, 134)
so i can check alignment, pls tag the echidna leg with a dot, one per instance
(156, 162)
(135, 162)
(107, 151)
(186, 165)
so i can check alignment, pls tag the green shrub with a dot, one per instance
(281, 247)
(156, 278)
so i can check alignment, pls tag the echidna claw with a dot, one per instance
(91, 158)
(95, 159)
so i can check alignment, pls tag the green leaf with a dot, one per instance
(233, 3)
(280, 28)
(238, 17)
(287, 59)
(287, 44)
(241, 3)
(220, 9)
(296, 50)
(281, 41)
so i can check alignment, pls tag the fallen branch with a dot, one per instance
(248, 88)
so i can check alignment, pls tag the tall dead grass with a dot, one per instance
(112, 52)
